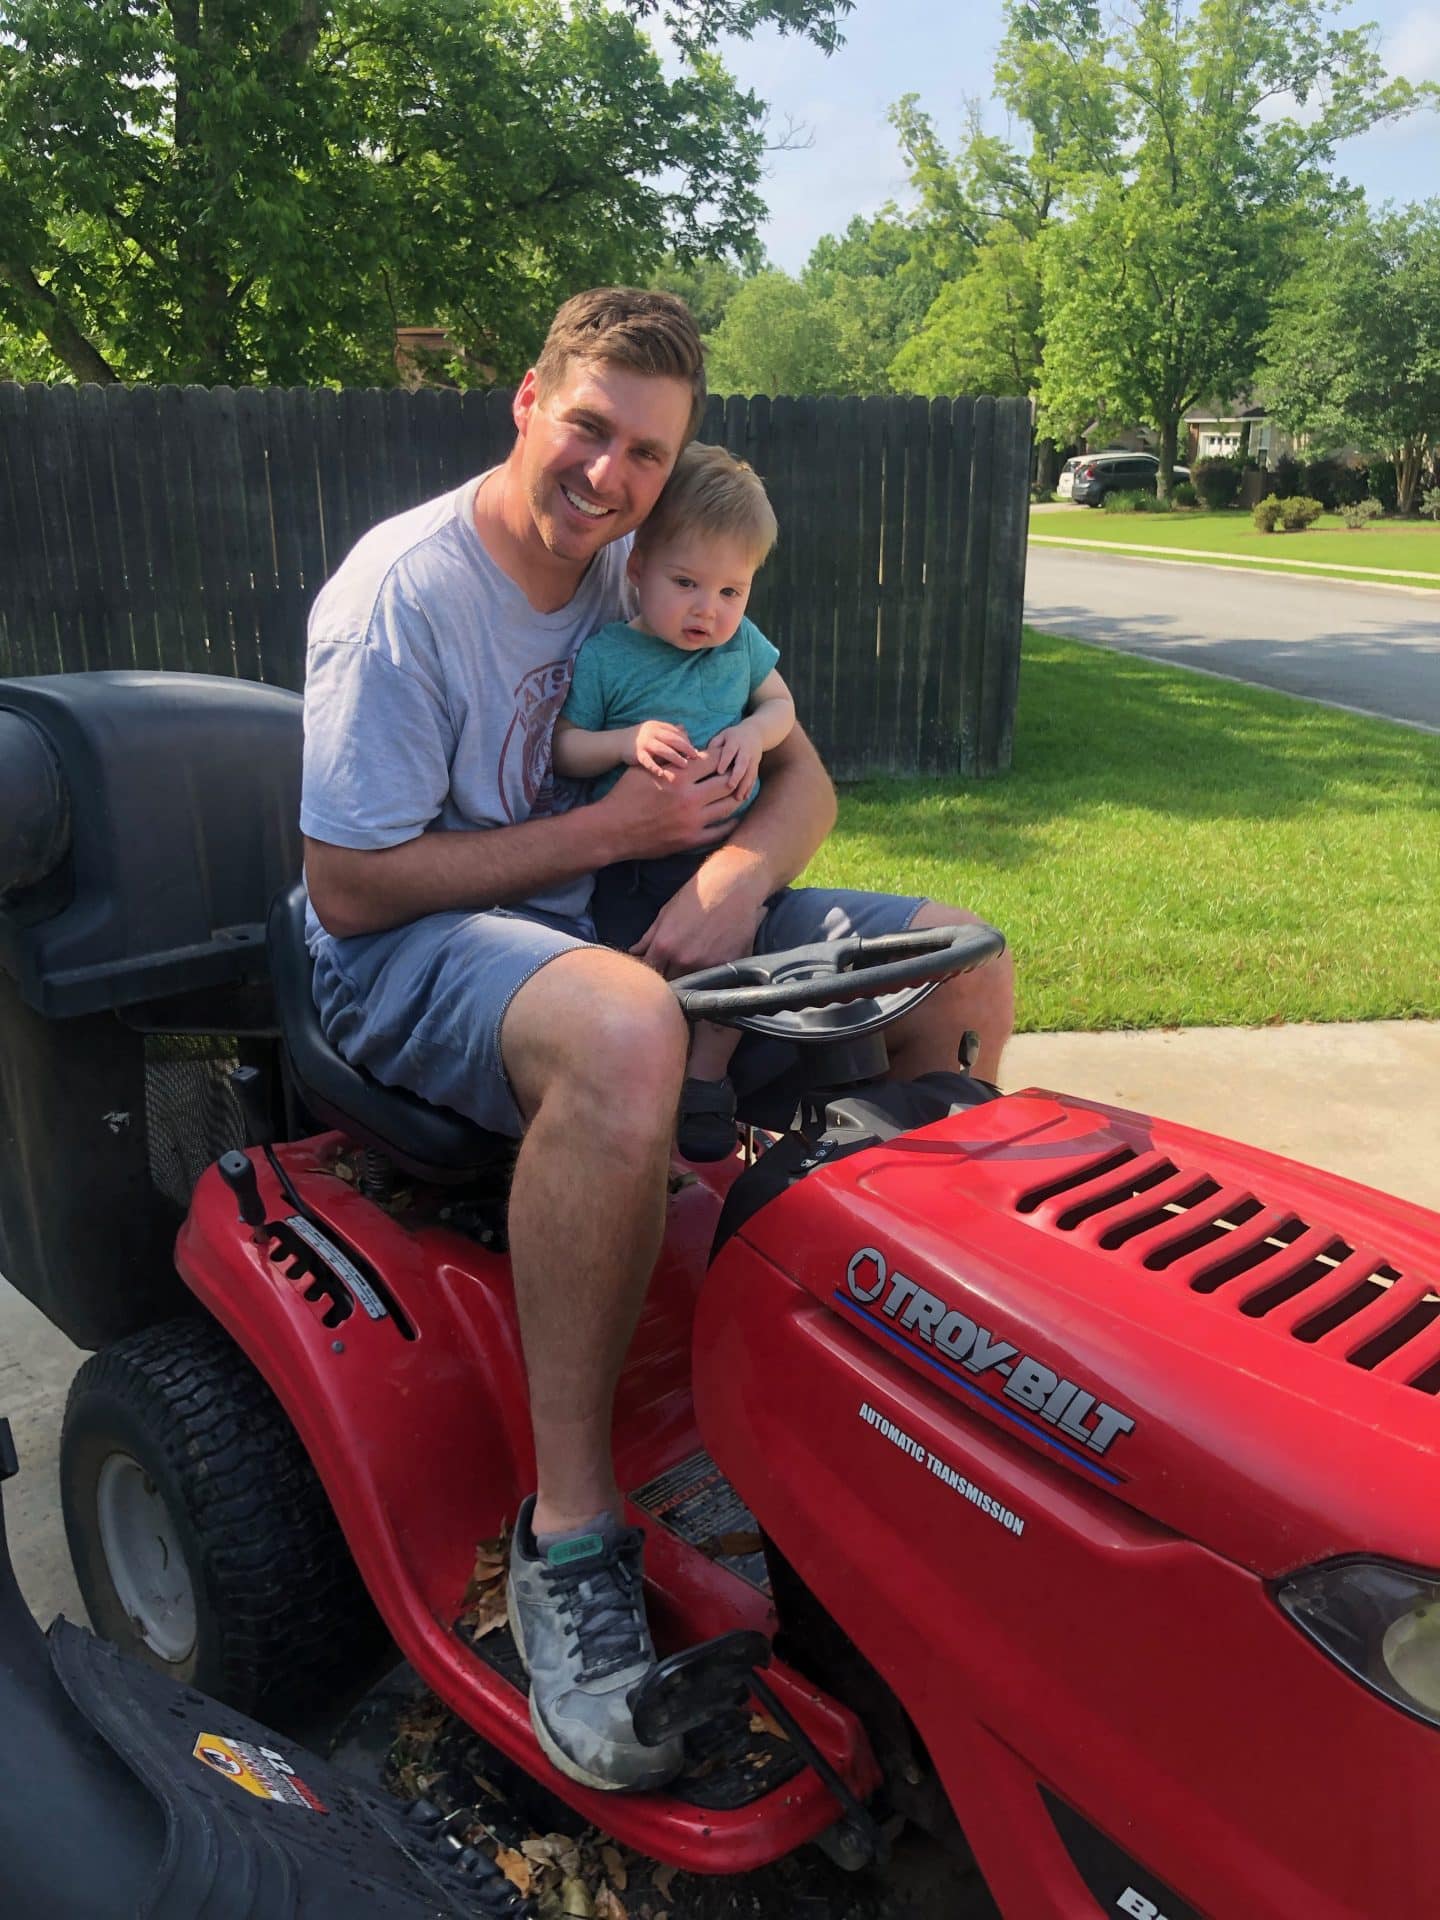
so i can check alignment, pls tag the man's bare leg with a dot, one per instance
(594, 1045)
(928, 1040)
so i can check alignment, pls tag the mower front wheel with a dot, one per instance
(203, 1541)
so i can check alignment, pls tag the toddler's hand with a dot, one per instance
(737, 757)
(660, 745)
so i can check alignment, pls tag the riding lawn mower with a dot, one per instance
(1049, 1477)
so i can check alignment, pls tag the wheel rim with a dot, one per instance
(145, 1559)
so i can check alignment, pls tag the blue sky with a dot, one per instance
(944, 51)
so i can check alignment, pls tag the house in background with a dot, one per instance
(426, 357)
(1245, 430)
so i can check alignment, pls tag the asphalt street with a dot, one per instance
(1368, 648)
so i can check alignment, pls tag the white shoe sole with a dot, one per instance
(553, 1752)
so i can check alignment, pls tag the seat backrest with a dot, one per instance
(428, 1142)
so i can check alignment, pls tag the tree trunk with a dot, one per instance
(1409, 463)
(69, 344)
(1047, 464)
(1169, 436)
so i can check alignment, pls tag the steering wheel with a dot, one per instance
(835, 989)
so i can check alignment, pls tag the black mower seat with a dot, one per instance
(430, 1143)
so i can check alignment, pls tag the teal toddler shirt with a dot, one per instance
(623, 677)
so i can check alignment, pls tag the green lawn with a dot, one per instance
(1406, 544)
(1172, 850)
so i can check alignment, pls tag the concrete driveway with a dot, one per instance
(1374, 650)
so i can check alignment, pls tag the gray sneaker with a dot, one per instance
(578, 1617)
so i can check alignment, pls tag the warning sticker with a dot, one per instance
(696, 1502)
(259, 1770)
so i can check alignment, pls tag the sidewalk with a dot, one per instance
(1363, 1101)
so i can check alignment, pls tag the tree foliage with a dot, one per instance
(218, 190)
(777, 336)
(1352, 356)
(1182, 227)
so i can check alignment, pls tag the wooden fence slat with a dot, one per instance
(56, 461)
(105, 600)
(776, 600)
(120, 411)
(493, 438)
(891, 646)
(912, 570)
(339, 536)
(1004, 583)
(252, 422)
(820, 480)
(977, 550)
(870, 534)
(852, 661)
(801, 650)
(192, 528)
(450, 444)
(398, 419)
(33, 645)
(298, 527)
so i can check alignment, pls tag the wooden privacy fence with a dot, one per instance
(190, 527)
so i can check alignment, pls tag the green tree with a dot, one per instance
(706, 286)
(983, 333)
(204, 190)
(1157, 287)
(1352, 356)
(990, 202)
(778, 336)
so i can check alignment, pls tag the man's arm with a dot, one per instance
(714, 916)
(364, 891)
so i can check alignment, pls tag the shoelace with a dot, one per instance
(604, 1616)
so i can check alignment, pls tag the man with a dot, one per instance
(449, 880)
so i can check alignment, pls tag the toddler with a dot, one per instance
(689, 674)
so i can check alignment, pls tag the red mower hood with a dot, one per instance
(1243, 1349)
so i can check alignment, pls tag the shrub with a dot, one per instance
(1299, 512)
(1333, 484)
(1285, 477)
(1126, 500)
(1360, 513)
(1216, 481)
(1430, 502)
(1266, 514)
(1184, 494)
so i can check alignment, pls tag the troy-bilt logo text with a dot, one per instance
(1038, 1388)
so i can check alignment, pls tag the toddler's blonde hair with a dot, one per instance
(711, 492)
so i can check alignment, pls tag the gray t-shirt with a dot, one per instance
(432, 687)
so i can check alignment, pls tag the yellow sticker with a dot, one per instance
(259, 1770)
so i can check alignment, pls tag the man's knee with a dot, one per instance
(596, 1029)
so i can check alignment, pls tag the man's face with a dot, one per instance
(595, 452)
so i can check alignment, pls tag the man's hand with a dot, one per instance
(711, 919)
(647, 816)
(659, 746)
(737, 753)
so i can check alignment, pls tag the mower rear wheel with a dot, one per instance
(203, 1541)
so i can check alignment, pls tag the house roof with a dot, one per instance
(1197, 417)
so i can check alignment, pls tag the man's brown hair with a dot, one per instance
(652, 333)
(710, 492)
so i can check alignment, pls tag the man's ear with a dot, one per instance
(525, 401)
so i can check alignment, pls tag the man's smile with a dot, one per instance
(589, 508)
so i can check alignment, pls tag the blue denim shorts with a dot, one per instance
(422, 1006)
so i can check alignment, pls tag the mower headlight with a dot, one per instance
(1380, 1622)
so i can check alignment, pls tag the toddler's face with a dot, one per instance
(692, 589)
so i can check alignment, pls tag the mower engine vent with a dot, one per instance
(1303, 1281)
